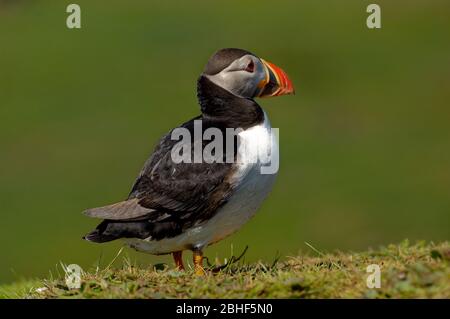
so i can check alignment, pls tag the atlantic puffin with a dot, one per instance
(175, 206)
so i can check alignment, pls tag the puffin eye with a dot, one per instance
(250, 67)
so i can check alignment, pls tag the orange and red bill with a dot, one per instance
(276, 82)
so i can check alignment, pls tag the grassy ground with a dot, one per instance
(407, 271)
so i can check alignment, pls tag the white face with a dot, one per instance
(243, 77)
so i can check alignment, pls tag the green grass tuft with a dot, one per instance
(407, 271)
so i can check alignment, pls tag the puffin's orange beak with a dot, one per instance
(276, 82)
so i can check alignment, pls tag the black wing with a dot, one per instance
(164, 190)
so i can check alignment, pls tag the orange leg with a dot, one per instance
(178, 258)
(198, 262)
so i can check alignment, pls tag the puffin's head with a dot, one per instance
(244, 74)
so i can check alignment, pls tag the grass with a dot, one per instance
(407, 271)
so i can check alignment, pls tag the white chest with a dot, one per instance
(257, 170)
(257, 163)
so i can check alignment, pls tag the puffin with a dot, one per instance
(183, 205)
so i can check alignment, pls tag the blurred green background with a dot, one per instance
(365, 143)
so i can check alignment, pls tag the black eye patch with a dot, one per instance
(250, 67)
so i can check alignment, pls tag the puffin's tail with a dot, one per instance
(98, 235)
(125, 219)
(109, 230)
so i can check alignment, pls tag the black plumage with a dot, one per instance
(167, 197)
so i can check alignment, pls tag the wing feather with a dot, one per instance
(166, 190)
(128, 209)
